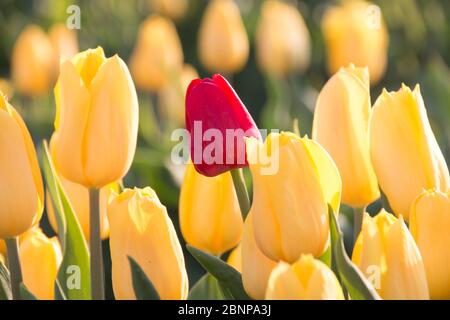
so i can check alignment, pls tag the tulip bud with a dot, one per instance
(223, 44)
(79, 199)
(341, 126)
(306, 279)
(96, 119)
(290, 204)
(172, 96)
(235, 258)
(355, 32)
(33, 62)
(256, 267)
(215, 112)
(386, 253)
(210, 217)
(404, 151)
(141, 229)
(40, 260)
(157, 55)
(282, 39)
(64, 41)
(22, 199)
(174, 9)
(429, 224)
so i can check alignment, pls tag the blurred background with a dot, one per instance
(277, 59)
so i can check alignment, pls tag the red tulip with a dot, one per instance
(217, 121)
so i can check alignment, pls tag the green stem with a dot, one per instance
(241, 191)
(12, 246)
(358, 214)
(95, 243)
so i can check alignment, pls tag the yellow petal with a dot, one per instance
(345, 100)
(111, 130)
(404, 151)
(429, 224)
(40, 259)
(210, 216)
(235, 258)
(21, 183)
(256, 267)
(141, 229)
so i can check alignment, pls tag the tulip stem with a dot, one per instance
(241, 191)
(357, 221)
(95, 243)
(15, 270)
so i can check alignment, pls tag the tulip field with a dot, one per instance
(224, 150)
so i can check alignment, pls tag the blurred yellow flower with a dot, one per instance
(404, 151)
(96, 121)
(306, 279)
(79, 198)
(174, 9)
(429, 224)
(255, 266)
(21, 187)
(33, 62)
(64, 41)
(171, 97)
(282, 39)
(386, 253)
(222, 41)
(354, 32)
(141, 229)
(210, 217)
(235, 258)
(158, 54)
(40, 259)
(341, 126)
(290, 204)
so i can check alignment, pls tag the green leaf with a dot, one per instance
(5, 283)
(59, 292)
(326, 257)
(74, 269)
(354, 281)
(206, 288)
(230, 280)
(143, 287)
(26, 294)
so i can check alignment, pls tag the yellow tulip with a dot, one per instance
(282, 39)
(306, 279)
(174, 9)
(235, 258)
(255, 266)
(141, 228)
(79, 198)
(354, 32)
(386, 253)
(21, 188)
(430, 223)
(40, 260)
(210, 216)
(96, 119)
(2, 258)
(290, 204)
(158, 54)
(64, 41)
(171, 97)
(341, 126)
(33, 62)
(223, 44)
(404, 151)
